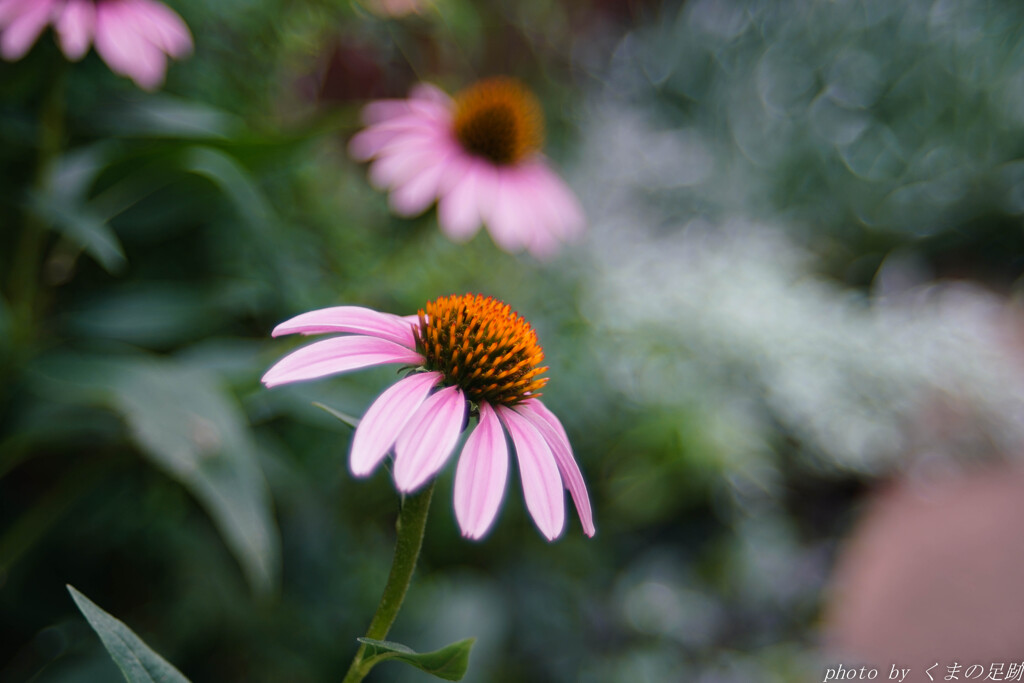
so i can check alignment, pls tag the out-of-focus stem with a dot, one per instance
(28, 254)
(411, 524)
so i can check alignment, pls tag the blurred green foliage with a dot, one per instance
(149, 243)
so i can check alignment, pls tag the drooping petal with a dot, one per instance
(458, 210)
(350, 319)
(506, 213)
(418, 193)
(562, 211)
(542, 485)
(75, 27)
(124, 50)
(340, 354)
(385, 419)
(481, 475)
(392, 170)
(10, 9)
(541, 228)
(163, 27)
(426, 442)
(390, 136)
(431, 93)
(554, 433)
(425, 99)
(24, 28)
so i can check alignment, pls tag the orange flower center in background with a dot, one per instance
(480, 345)
(498, 119)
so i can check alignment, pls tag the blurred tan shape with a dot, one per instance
(933, 574)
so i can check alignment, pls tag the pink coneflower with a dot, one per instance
(479, 156)
(472, 356)
(134, 37)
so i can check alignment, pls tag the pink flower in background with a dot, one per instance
(134, 37)
(477, 155)
(472, 355)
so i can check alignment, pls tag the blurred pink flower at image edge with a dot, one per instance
(478, 156)
(134, 37)
(422, 416)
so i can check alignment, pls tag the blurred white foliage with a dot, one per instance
(730, 320)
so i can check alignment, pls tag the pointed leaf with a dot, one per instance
(193, 430)
(449, 663)
(137, 661)
(84, 227)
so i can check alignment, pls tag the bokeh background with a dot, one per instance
(788, 351)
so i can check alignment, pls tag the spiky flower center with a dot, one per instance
(498, 119)
(480, 345)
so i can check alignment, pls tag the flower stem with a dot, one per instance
(412, 522)
(26, 265)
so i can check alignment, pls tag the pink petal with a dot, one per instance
(425, 100)
(388, 136)
(9, 9)
(542, 230)
(426, 442)
(340, 354)
(124, 50)
(429, 109)
(403, 164)
(480, 476)
(419, 192)
(554, 433)
(163, 27)
(542, 485)
(75, 28)
(385, 419)
(458, 210)
(350, 319)
(431, 93)
(508, 215)
(22, 32)
(384, 110)
(562, 211)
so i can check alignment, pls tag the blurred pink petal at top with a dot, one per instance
(134, 37)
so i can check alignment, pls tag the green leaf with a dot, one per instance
(449, 663)
(62, 204)
(137, 661)
(165, 116)
(352, 422)
(85, 228)
(235, 181)
(189, 427)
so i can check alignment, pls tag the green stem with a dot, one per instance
(412, 522)
(25, 267)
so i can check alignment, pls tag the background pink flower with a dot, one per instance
(479, 157)
(473, 355)
(134, 37)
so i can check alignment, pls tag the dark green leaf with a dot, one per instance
(85, 228)
(137, 661)
(197, 434)
(234, 180)
(166, 116)
(449, 663)
(189, 427)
